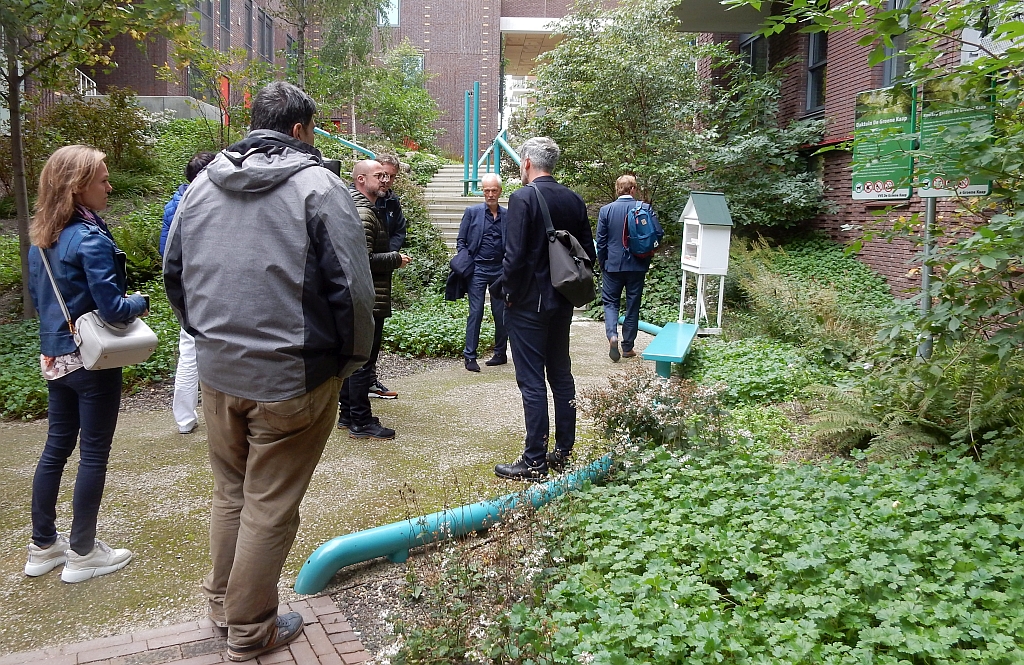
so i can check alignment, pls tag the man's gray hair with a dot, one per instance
(279, 106)
(388, 158)
(542, 151)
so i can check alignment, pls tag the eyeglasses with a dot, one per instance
(382, 176)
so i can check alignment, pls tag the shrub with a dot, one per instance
(432, 326)
(10, 261)
(641, 409)
(137, 234)
(754, 370)
(22, 387)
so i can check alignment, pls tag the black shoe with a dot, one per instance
(289, 626)
(557, 460)
(613, 349)
(371, 430)
(497, 360)
(344, 422)
(522, 470)
(472, 365)
(380, 391)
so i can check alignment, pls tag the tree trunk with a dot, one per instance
(28, 310)
(300, 47)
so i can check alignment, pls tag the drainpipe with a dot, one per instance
(395, 540)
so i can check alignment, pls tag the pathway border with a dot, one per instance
(328, 639)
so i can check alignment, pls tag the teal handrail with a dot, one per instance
(490, 161)
(395, 540)
(345, 142)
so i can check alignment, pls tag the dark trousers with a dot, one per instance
(83, 409)
(540, 343)
(353, 401)
(612, 285)
(478, 283)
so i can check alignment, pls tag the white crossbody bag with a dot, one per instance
(104, 345)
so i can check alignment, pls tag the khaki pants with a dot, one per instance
(263, 455)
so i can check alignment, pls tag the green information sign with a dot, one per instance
(948, 110)
(882, 139)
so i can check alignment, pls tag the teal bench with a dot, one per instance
(670, 346)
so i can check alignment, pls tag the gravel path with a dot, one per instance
(453, 426)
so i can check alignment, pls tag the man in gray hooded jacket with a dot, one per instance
(266, 267)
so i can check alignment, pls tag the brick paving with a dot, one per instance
(327, 640)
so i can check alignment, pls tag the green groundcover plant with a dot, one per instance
(721, 555)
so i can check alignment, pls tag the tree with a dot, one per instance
(44, 42)
(346, 52)
(398, 103)
(621, 93)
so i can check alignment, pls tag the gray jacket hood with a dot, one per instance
(261, 162)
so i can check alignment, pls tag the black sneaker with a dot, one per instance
(497, 360)
(371, 430)
(557, 460)
(472, 365)
(344, 422)
(380, 391)
(289, 626)
(613, 349)
(522, 470)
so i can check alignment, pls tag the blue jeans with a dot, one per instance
(478, 283)
(353, 398)
(612, 284)
(540, 341)
(83, 408)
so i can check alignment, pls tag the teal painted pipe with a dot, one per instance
(345, 142)
(646, 327)
(395, 540)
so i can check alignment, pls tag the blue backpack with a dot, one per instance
(638, 232)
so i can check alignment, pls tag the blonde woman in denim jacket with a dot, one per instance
(89, 270)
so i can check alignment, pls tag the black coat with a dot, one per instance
(526, 278)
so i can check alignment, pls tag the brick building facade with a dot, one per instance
(223, 24)
(846, 74)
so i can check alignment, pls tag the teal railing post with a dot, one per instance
(476, 134)
(466, 148)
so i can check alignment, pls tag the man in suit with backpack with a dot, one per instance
(624, 258)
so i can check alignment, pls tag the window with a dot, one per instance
(247, 27)
(205, 9)
(389, 14)
(225, 25)
(412, 68)
(895, 66)
(265, 27)
(817, 58)
(754, 51)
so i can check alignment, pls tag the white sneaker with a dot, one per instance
(42, 560)
(100, 561)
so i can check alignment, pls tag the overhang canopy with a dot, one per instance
(525, 38)
(713, 16)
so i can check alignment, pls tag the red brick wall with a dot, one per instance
(540, 8)
(461, 44)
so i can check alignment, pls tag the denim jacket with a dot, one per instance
(90, 272)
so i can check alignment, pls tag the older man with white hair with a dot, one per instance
(482, 234)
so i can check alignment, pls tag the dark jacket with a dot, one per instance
(474, 223)
(611, 253)
(390, 208)
(383, 261)
(169, 209)
(265, 266)
(90, 272)
(526, 277)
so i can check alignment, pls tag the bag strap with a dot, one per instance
(60, 298)
(549, 227)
